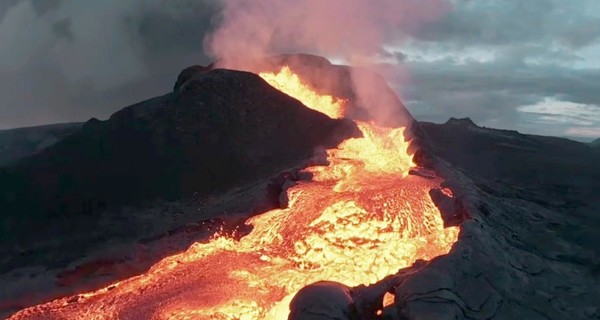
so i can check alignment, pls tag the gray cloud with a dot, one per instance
(486, 59)
(69, 60)
(511, 22)
(43, 6)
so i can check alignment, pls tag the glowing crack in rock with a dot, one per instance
(360, 218)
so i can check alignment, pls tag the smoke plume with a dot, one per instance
(352, 31)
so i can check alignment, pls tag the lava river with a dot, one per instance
(358, 220)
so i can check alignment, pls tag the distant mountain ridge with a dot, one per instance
(22, 142)
(530, 160)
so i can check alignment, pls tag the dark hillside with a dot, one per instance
(22, 142)
(221, 129)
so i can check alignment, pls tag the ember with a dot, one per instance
(360, 219)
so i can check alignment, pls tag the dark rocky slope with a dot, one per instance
(22, 142)
(555, 173)
(513, 157)
(220, 129)
(529, 249)
(596, 146)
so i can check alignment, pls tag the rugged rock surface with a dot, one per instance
(554, 173)
(18, 143)
(220, 129)
(529, 249)
(526, 160)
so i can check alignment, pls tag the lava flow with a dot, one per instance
(358, 220)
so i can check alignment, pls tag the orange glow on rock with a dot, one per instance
(360, 219)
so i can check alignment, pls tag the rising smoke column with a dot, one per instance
(354, 31)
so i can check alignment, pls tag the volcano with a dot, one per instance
(304, 200)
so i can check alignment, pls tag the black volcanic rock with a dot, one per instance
(596, 146)
(188, 73)
(555, 173)
(528, 249)
(507, 155)
(22, 142)
(221, 129)
(461, 122)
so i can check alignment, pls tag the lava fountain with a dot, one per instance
(357, 220)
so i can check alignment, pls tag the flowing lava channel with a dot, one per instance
(360, 219)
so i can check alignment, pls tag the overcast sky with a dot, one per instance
(529, 65)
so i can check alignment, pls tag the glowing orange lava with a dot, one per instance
(289, 83)
(359, 219)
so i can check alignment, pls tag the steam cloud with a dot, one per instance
(353, 31)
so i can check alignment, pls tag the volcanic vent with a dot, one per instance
(355, 219)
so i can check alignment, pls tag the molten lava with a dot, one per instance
(360, 218)
(289, 83)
